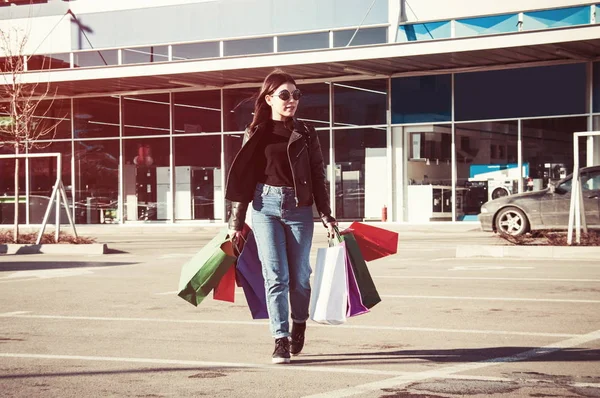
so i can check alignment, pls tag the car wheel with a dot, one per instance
(512, 221)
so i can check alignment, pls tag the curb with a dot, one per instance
(566, 252)
(92, 248)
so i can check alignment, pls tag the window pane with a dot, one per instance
(421, 99)
(314, 104)
(7, 188)
(596, 88)
(51, 61)
(52, 120)
(486, 165)
(96, 117)
(307, 41)
(146, 114)
(324, 142)
(248, 46)
(524, 92)
(197, 112)
(95, 58)
(199, 190)
(361, 173)
(145, 188)
(341, 38)
(97, 181)
(487, 25)
(196, 50)
(556, 18)
(429, 173)
(548, 148)
(42, 176)
(140, 55)
(424, 31)
(238, 105)
(232, 143)
(370, 94)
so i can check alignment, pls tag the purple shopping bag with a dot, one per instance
(355, 304)
(249, 277)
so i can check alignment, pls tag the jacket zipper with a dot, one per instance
(292, 169)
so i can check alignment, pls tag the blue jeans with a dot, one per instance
(283, 235)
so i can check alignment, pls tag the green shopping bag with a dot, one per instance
(367, 289)
(204, 271)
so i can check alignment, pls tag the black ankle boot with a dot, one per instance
(297, 342)
(282, 351)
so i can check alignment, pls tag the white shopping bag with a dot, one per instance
(329, 296)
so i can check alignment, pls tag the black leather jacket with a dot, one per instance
(308, 172)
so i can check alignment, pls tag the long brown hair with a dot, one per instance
(262, 110)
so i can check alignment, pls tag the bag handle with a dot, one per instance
(337, 235)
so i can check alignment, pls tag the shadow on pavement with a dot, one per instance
(39, 265)
(490, 354)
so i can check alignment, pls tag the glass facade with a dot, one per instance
(164, 157)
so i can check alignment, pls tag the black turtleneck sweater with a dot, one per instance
(273, 157)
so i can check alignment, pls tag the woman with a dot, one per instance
(280, 170)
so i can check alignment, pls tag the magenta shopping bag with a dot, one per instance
(249, 277)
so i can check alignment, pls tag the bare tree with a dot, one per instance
(24, 107)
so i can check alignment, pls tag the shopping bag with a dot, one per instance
(373, 242)
(225, 290)
(250, 278)
(202, 273)
(355, 303)
(329, 295)
(368, 291)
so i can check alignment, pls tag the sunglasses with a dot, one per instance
(285, 95)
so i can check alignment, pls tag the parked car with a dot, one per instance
(545, 209)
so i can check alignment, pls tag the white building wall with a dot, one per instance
(45, 35)
(424, 10)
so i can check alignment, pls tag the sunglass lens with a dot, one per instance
(297, 94)
(284, 95)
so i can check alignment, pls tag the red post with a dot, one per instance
(384, 213)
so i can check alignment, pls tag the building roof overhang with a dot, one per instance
(563, 45)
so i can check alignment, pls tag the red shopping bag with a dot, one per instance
(373, 242)
(225, 290)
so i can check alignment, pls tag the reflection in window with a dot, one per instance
(51, 61)
(146, 114)
(96, 117)
(547, 147)
(232, 143)
(486, 165)
(52, 120)
(96, 181)
(370, 94)
(596, 87)
(314, 104)
(360, 173)
(421, 99)
(197, 112)
(199, 190)
(146, 184)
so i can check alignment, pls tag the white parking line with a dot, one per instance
(263, 323)
(476, 278)
(444, 372)
(310, 368)
(488, 298)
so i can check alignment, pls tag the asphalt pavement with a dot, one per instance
(112, 325)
